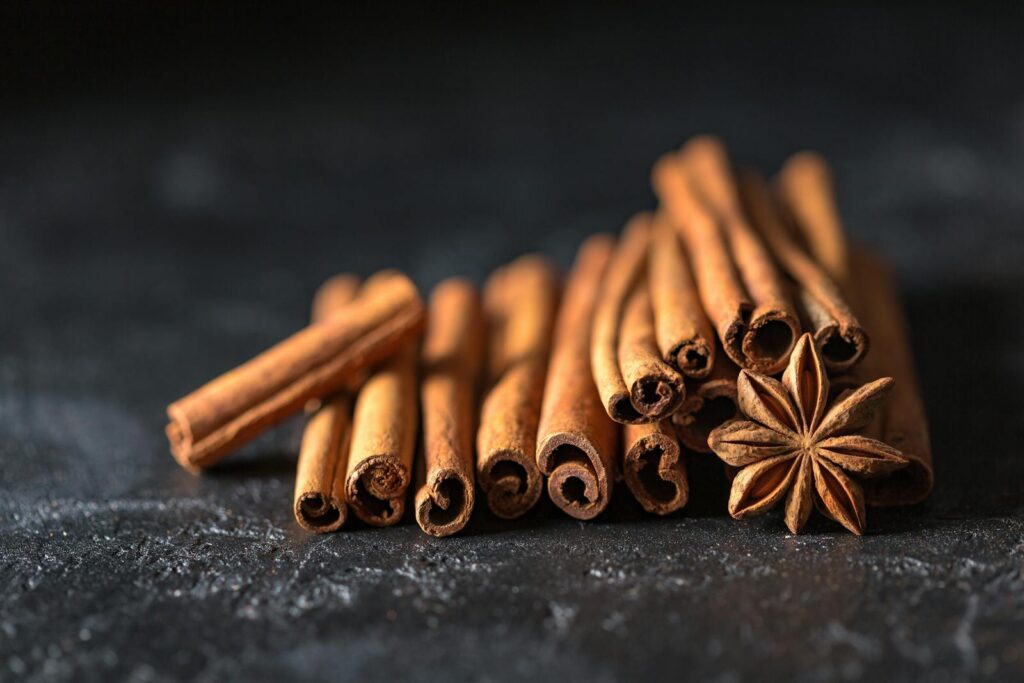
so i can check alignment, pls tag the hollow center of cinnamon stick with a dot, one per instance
(318, 511)
(657, 488)
(693, 360)
(771, 340)
(838, 349)
(713, 413)
(508, 470)
(452, 489)
(574, 490)
(371, 504)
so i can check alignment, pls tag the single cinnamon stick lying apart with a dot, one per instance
(653, 467)
(681, 327)
(319, 500)
(520, 301)
(708, 404)
(837, 332)
(576, 438)
(742, 291)
(635, 384)
(383, 439)
(805, 186)
(452, 352)
(903, 425)
(219, 417)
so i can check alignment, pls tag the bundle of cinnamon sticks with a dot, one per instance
(734, 320)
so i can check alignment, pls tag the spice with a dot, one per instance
(219, 417)
(793, 442)
(837, 332)
(383, 439)
(634, 383)
(709, 403)
(903, 422)
(319, 499)
(452, 354)
(653, 467)
(575, 437)
(682, 329)
(520, 302)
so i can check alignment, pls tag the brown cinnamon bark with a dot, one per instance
(805, 187)
(837, 332)
(634, 383)
(708, 404)
(219, 417)
(519, 302)
(319, 499)
(383, 438)
(452, 353)
(682, 329)
(576, 439)
(653, 467)
(904, 424)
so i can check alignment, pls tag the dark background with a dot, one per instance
(174, 184)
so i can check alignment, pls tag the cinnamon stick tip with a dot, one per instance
(445, 503)
(692, 357)
(653, 470)
(511, 481)
(578, 482)
(376, 488)
(318, 513)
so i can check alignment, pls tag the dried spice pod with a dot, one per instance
(709, 403)
(319, 500)
(682, 329)
(520, 302)
(653, 467)
(837, 332)
(634, 383)
(772, 325)
(451, 359)
(804, 185)
(575, 437)
(325, 357)
(383, 441)
(903, 421)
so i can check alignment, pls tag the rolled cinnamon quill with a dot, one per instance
(452, 353)
(635, 384)
(837, 332)
(805, 186)
(903, 422)
(742, 291)
(520, 301)
(709, 403)
(383, 438)
(319, 500)
(681, 327)
(575, 437)
(653, 467)
(219, 417)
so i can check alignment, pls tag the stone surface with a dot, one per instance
(173, 188)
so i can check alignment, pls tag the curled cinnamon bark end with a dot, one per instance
(452, 354)
(445, 503)
(375, 489)
(319, 501)
(837, 332)
(708, 405)
(655, 388)
(519, 302)
(682, 329)
(654, 469)
(322, 359)
(575, 437)
(578, 480)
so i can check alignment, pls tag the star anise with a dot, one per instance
(794, 443)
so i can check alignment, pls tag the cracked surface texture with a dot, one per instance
(172, 192)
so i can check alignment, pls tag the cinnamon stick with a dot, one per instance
(903, 424)
(709, 403)
(452, 352)
(805, 186)
(653, 467)
(319, 499)
(634, 383)
(837, 332)
(682, 328)
(575, 437)
(519, 303)
(219, 417)
(741, 289)
(383, 438)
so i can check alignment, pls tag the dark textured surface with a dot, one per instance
(173, 187)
